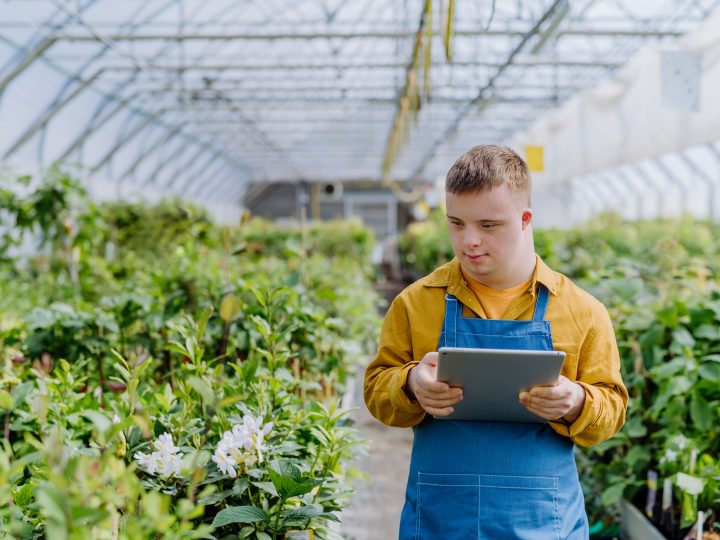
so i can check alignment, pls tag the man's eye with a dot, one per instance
(488, 225)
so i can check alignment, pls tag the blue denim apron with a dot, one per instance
(492, 480)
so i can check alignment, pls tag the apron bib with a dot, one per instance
(492, 480)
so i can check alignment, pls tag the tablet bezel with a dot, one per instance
(493, 378)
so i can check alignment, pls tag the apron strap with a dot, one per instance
(541, 303)
(452, 312)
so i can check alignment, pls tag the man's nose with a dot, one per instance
(471, 239)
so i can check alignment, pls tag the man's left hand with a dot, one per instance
(565, 399)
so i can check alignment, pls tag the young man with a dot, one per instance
(472, 480)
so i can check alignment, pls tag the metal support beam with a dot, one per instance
(486, 93)
(651, 184)
(302, 64)
(673, 180)
(181, 169)
(613, 198)
(27, 60)
(47, 115)
(130, 136)
(149, 151)
(704, 178)
(361, 34)
(93, 128)
(600, 194)
(153, 176)
(210, 178)
(593, 201)
(192, 174)
(632, 189)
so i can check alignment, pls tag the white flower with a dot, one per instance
(670, 456)
(167, 461)
(146, 461)
(242, 446)
(169, 464)
(224, 464)
(680, 441)
(165, 444)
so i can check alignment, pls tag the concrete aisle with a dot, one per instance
(374, 512)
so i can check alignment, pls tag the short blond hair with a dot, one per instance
(488, 166)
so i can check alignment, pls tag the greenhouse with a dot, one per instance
(241, 243)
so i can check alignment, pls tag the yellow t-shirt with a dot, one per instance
(495, 302)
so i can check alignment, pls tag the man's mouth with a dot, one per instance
(476, 257)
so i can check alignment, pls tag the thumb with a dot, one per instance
(431, 359)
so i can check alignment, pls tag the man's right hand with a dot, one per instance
(435, 397)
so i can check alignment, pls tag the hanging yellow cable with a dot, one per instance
(409, 102)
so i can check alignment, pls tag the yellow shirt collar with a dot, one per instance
(450, 276)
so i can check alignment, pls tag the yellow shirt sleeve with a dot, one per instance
(386, 376)
(605, 394)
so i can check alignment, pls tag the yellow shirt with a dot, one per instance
(580, 327)
(495, 302)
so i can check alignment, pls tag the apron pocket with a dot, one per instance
(523, 507)
(447, 504)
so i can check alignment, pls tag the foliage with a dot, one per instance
(131, 396)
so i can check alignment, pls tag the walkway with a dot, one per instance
(374, 512)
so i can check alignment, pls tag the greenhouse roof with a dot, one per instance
(203, 97)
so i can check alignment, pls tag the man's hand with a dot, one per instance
(435, 397)
(565, 399)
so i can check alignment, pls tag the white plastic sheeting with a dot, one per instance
(625, 119)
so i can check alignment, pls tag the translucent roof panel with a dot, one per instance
(202, 97)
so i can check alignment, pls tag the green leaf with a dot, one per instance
(710, 371)
(6, 400)
(82, 515)
(239, 514)
(178, 348)
(638, 454)
(668, 369)
(612, 494)
(679, 385)
(302, 514)
(263, 536)
(53, 503)
(249, 368)
(634, 427)
(268, 487)
(262, 326)
(203, 388)
(288, 481)
(202, 322)
(701, 413)
(708, 331)
(101, 422)
(684, 338)
(230, 308)
(23, 495)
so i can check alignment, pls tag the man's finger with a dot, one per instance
(439, 411)
(544, 403)
(440, 403)
(434, 387)
(548, 392)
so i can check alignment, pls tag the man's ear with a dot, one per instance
(526, 218)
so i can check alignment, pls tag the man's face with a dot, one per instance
(489, 234)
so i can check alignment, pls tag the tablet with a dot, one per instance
(492, 379)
